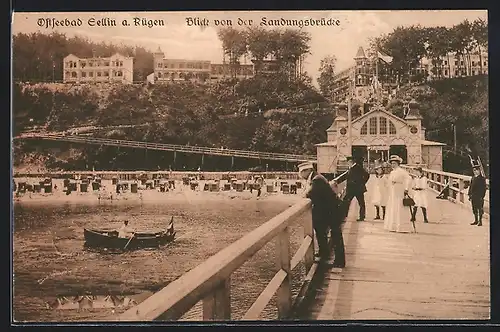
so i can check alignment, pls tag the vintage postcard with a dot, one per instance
(257, 166)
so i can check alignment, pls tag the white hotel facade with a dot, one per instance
(172, 70)
(116, 68)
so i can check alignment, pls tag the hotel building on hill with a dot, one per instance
(363, 71)
(116, 68)
(166, 70)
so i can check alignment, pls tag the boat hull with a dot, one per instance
(110, 240)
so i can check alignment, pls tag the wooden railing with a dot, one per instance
(437, 181)
(210, 281)
(177, 148)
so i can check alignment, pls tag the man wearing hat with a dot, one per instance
(356, 180)
(477, 190)
(326, 213)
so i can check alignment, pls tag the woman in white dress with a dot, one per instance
(419, 186)
(397, 218)
(380, 187)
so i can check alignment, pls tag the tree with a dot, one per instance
(459, 42)
(234, 45)
(407, 47)
(437, 46)
(326, 77)
(292, 44)
(39, 57)
(258, 45)
(480, 35)
(287, 49)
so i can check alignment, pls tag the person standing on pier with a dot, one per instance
(477, 191)
(326, 213)
(420, 196)
(259, 183)
(379, 198)
(397, 218)
(356, 180)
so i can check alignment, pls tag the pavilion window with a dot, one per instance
(392, 129)
(373, 126)
(383, 126)
(364, 129)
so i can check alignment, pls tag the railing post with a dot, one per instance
(217, 305)
(461, 197)
(309, 256)
(284, 293)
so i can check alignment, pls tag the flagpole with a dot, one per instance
(349, 109)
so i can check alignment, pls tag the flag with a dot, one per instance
(384, 57)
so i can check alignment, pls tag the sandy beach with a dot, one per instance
(107, 193)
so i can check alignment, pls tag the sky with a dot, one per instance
(180, 41)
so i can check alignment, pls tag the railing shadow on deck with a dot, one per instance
(210, 281)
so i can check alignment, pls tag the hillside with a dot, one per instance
(459, 101)
(188, 113)
(184, 113)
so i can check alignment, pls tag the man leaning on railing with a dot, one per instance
(326, 213)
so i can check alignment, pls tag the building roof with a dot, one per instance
(332, 127)
(423, 142)
(71, 56)
(344, 73)
(98, 57)
(413, 117)
(431, 143)
(186, 60)
(360, 53)
(334, 143)
(380, 110)
(117, 54)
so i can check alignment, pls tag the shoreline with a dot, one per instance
(153, 174)
(181, 193)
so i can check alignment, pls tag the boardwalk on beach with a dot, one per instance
(442, 272)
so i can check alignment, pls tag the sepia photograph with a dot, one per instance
(250, 166)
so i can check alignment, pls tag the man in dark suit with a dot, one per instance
(356, 180)
(477, 190)
(326, 213)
